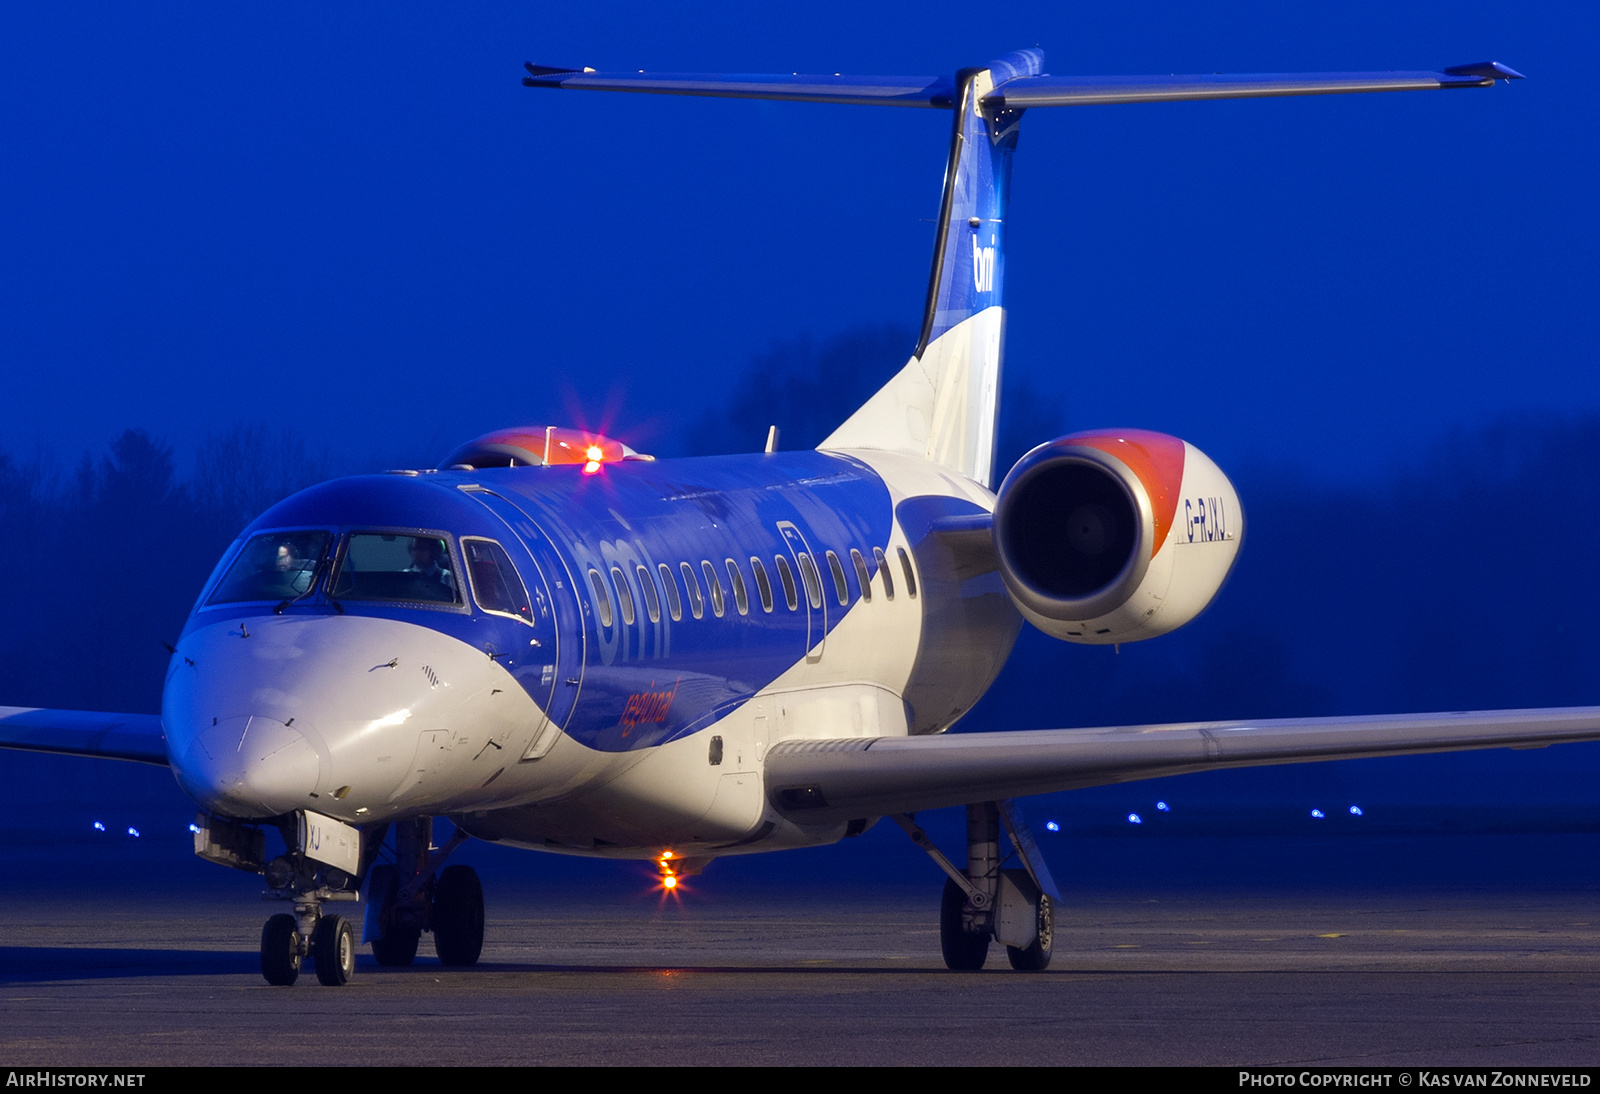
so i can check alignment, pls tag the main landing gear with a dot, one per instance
(413, 896)
(986, 901)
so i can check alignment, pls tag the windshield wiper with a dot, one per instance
(311, 587)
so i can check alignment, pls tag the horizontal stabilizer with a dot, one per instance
(924, 91)
(1030, 91)
(1013, 88)
(135, 737)
(839, 780)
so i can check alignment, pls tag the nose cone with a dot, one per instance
(251, 766)
(358, 717)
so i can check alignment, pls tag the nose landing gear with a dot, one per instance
(324, 862)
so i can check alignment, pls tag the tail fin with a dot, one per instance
(944, 405)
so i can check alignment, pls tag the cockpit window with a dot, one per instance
(495, 582)
(393, 566)
(276, 566)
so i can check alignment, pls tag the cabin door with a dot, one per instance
(565, 662)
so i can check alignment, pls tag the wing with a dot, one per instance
(136, 737)
(824, 781)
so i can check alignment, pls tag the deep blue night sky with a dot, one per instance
(356, 222)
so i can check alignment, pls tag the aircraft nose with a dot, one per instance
(251, 766)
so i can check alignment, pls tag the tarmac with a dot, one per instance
(1421, 951)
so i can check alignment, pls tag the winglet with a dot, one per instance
(1492, 70)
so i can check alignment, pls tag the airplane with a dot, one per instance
(562, 644)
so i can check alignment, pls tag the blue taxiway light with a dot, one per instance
(1051, 826)
(1318, 814)
(132, 831)
(1355, 811)
(1163, 807)
(1134, 818)
(98, 827)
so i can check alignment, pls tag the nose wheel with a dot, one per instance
(333, 950)
(280, 950)
(331, 946)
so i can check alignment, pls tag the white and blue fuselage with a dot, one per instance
(681, 616)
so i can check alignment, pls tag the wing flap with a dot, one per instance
(827, 781)
(135, 737)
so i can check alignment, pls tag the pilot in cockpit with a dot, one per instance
(425, 555)
(294, 568)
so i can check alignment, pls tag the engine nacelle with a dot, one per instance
(1115, 535)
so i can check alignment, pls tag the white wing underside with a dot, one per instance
(826, 781)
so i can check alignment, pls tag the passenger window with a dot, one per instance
(652, 600)
(739, 596)
(674, 602)
(786, 575)
(763, 586)
(388, 566)
(713, 587)
(841, 591)
(813, 580)
(692, 583)
(496, 585)
(862, 578)
(624, 594)
(911, 578)
(883, 570)
(602, 599)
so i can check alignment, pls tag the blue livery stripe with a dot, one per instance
(657, 678)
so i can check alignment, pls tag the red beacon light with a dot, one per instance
(540, 446)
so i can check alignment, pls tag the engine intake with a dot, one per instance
(1114, 536)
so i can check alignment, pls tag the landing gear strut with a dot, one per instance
(987, 902)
